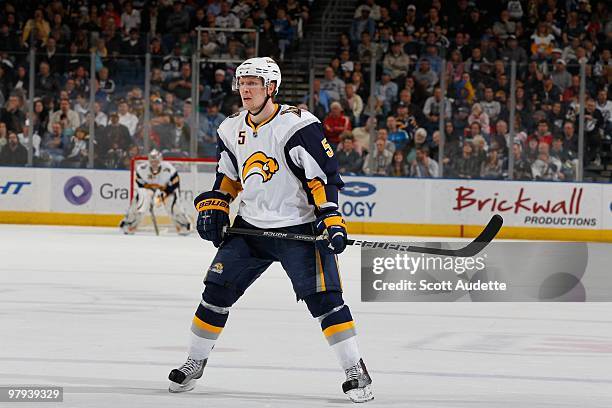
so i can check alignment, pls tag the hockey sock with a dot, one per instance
(206, 327)
(339, 330)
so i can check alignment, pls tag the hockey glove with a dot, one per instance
(213, 215)
(332, 223)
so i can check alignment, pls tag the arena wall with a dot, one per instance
(387, 206)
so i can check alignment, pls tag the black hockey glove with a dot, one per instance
(213, 215)
(332, 223)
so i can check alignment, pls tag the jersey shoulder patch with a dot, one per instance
(292, 109)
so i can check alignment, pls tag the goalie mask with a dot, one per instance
(266, 69)
(155, 159)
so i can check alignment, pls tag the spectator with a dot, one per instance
(226, 18)
(425, 75)
(424, 166)
(283, 30)
(217, 92)
(46, 83)
(38, 28)
(115, 143)
(386, 92)
(177, 21)
(183, 85)
(171, 67)
(377, 162)
(434, 107)
(604, 106)
(333, 85)
(490, 106)
(12, 115)
(126, 118)
(479, 116)
(13, 153)
(593, 132)
(500, 137)
(101, 119)
(3, 135)
(321, 100)
(107, 85)
(505, 27)
(466, 166)
(335, 124)
(130, 18)
(54, 143)
(564, 160)
(210, 124)
(398, 166)
(374, 10)
(362, 135)
(383, 134)
(76, 154)
(491, 168)
(353, 104)
(397, 62)
(349, 161)
(367, 50)
(179, 144)
(560, 77)
(543, 168)
(397, 136)
(73, 119)
(362, 23)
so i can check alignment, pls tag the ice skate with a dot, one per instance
(127, 228)
(184, 378)
(358, 384)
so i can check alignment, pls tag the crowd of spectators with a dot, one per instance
(394, 131)
(64, 35)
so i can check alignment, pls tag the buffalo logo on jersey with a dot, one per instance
(259, 164)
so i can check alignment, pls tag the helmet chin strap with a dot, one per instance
(263, 105)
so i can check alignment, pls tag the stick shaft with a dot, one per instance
(471, 249)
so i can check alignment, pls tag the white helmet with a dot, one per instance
(155, 158)
(263, 67)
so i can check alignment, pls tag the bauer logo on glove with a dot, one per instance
(213, 215)
(213, 204)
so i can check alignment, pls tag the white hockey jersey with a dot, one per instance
(284, 167)
(166, 179)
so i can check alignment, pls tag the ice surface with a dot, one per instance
(107, 316)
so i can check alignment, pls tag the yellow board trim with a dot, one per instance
(337, 328)
(377, 228)
(48, 218)
(205, 326)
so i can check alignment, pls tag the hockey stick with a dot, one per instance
(478, 244)
(152, 211)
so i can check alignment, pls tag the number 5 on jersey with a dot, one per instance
(327, 147)
(241, 137)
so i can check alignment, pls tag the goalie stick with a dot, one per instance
(478, 244)
(152, 211)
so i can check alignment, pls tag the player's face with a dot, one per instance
(252, 92)
(155, 164)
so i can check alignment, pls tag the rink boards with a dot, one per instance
(371, 205)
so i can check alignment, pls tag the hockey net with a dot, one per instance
(196, 175)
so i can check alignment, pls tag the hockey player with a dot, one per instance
(156, 181)
(279, 158)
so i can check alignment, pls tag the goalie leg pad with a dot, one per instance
(174, 207)
(136, 211)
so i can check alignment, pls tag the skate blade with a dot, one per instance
(359, 395)
(178, 388)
